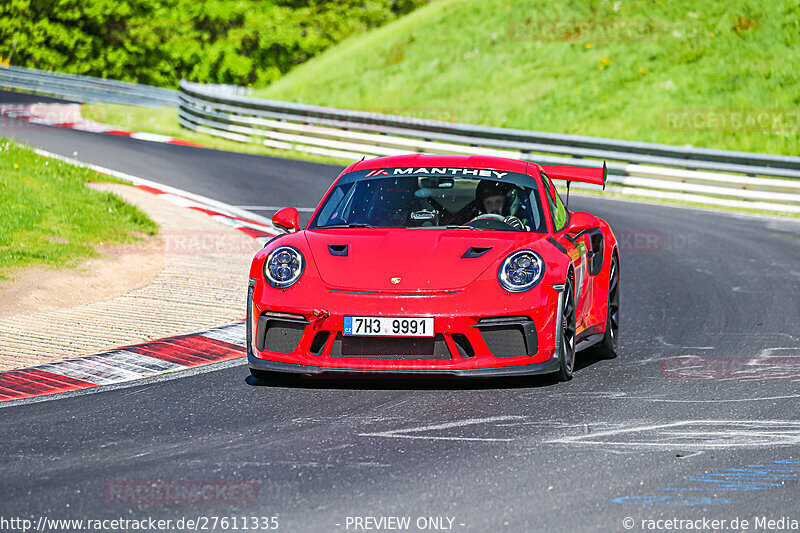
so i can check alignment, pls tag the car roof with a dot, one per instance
(453, 161)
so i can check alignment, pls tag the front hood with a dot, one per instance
(422, 259)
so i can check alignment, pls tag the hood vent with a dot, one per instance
(475, 251)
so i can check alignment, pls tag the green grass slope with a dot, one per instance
(714, 74)
(49, 217)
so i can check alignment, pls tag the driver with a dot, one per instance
(502, 200)
(491, 196)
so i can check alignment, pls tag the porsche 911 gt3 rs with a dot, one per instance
(460, 265)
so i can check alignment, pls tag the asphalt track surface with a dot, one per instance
(704, 295)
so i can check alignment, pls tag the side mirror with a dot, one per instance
(287, 219)
(580, 220)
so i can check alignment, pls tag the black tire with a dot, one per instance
(566, 348)
(607, 348)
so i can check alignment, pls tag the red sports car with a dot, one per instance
(419, 264)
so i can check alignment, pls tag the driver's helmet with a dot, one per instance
(508, 191)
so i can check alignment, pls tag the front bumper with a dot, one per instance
(533, 314)
(545, 367)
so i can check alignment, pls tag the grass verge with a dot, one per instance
(49, 217)
(716, 74)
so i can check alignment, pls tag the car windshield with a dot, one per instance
(489, 201)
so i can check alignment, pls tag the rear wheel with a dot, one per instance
(607, 348)
(566, 348)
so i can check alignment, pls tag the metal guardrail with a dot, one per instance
(85, 89)
(714, 177)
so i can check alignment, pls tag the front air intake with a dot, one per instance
(278, 334)
(505, 341)
(424, 348)
(510, 336)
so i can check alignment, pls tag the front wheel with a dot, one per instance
(566, 345)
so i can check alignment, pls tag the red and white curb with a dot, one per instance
(69, 116)
(258, 227)
(151, 358)
(125, 364)
(259, 231)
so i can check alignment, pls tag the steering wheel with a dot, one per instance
(489, 216)
(511, 220)
(515, 222)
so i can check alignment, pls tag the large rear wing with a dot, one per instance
(595, 175)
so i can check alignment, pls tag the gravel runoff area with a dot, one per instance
(192, 276)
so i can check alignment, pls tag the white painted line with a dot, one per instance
(405, 433)
(236, 223)
(222, 207)
(153, 137)
(732, 400)
(696, 434)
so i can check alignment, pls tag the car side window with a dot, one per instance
(557, 210)
(332, 211)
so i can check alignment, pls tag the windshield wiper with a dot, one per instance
(461, 227)
(359, 225)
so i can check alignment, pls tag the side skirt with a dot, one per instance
(589, 337)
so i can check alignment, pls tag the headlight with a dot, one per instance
(521, 271)
(283, 267)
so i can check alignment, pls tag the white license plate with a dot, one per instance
(381, 326)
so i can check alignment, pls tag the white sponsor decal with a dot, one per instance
(485, 173)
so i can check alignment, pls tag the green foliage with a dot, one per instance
(158, 42)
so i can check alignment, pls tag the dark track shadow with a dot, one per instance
(584, 359)
(390, 382)
(587, 358)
